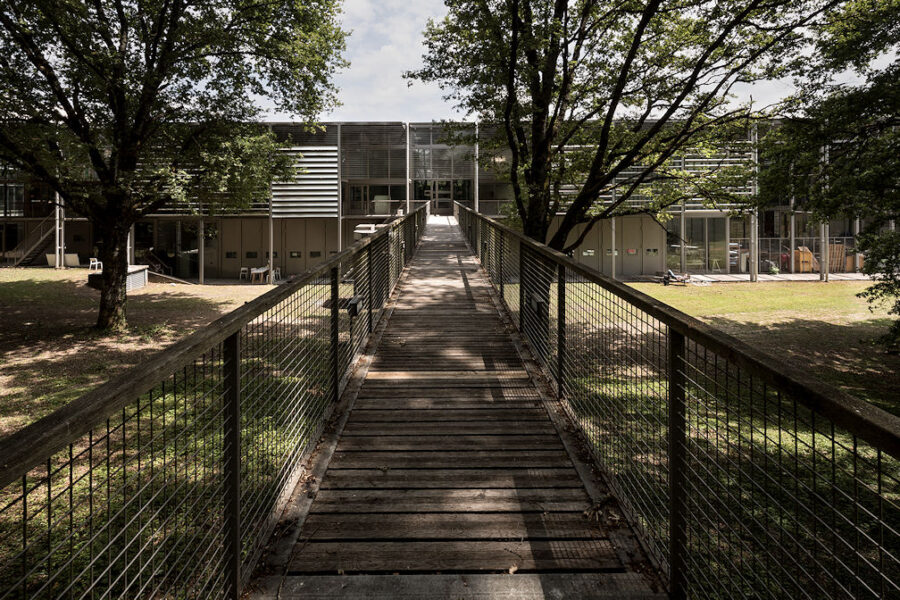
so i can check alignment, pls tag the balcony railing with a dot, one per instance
(167, 481)
(744, 477)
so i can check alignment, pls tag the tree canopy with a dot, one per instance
(123, 105)
(585, 91)
(837, 149)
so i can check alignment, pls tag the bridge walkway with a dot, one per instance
(452, 478)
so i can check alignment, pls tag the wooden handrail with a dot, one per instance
(878, 427)
(35, 443)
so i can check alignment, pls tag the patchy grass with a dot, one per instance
(50, 353)
(822, 327)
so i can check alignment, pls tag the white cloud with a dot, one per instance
(386, 40)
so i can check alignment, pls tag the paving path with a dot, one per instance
(449, 474)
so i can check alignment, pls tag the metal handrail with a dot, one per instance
(35, 237)
(742, 476)
(868, 422)
(168, 479)
(33, 444)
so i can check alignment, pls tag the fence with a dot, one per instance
(742, 476)
(167, 481)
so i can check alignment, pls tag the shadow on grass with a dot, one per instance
(51, 352)
(843, 355)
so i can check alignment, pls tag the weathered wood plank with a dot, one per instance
(444, 556)
(521, 478)
(475, 376)
(447, 428)
(486, 414)
(451, 500)
(469, 586)
(430, 526)
(400, 404)
(450, 442)
(476, 459)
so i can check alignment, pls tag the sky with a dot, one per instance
(386, 40)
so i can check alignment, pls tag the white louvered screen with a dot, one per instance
(314, 190)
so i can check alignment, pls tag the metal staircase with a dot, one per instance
(33, 246)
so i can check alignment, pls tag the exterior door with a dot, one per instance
(442, 197)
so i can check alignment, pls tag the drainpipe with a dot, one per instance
(823, 252)
(857, 257)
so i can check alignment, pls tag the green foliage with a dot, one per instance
(581, 93)
(882, 251)
(837, 152)
(123, 106)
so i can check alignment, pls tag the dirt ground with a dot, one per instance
(50, 353)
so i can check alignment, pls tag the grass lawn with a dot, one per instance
(49, 352)
(823, 327)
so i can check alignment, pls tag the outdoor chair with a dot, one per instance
(671, 278)
(244, 274)
(95, 265)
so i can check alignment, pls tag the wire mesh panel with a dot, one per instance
(742, 477)
(167, 481)
(118, 511)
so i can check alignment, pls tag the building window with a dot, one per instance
(296, 254)
(251, 254)
(231, 255)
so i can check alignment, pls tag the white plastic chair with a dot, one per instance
(244, 274)
(276, 273)
(95, 265)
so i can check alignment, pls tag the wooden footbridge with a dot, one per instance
(448, 410)
(449, 470)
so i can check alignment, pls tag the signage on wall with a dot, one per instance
(610, 252)
(631, 251)
(587, 252)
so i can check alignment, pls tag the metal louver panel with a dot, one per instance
(313, 192)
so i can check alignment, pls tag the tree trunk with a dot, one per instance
(113, 253)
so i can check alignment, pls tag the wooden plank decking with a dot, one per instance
(450, 464)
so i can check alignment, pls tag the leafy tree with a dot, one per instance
(585, 91)
(837, 150)
(121, 106)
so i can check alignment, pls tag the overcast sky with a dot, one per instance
(386, 40)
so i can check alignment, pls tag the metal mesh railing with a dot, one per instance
(166, 482)
(743, 476)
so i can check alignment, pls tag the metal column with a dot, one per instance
(754, 246)
(612, 231)
(477, 208)
(857, 257)
(58, 251)
(340, 223)
(823, 252)
(271, 261)
(681, 238)
(201, 251)
(408, 180)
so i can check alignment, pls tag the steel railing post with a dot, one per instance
(677, 442)
(521, 287)
(500, 267)
(561, 328)
(232, 463)
(369, 282)
(335, 326)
